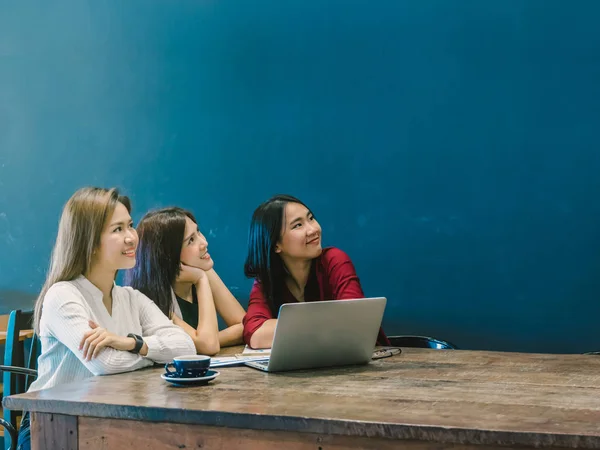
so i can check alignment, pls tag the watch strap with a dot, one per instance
(139, 343)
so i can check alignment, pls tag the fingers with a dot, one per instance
(88, 337)
(103, 343)
(86, 343)
(91, 341)
(92, 346)
(188, 273)
(93, 325)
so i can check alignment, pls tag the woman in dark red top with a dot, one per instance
(289, 265)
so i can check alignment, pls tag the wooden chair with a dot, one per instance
(17, 375)
(421, 342)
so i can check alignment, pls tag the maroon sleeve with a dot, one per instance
(258, 312)
(341, 275)
(344, 282)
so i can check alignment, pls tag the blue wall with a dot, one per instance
(450, 147)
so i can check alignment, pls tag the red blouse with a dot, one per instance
(335, 279)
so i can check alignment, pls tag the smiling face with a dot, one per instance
(300, 233)
(118, 241)
(194, 250)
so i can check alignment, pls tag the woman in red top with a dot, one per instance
(289, 265)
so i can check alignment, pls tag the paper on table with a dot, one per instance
(255, 351)
(238, 360)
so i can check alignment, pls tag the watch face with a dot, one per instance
(139, 343)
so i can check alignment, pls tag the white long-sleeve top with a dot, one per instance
(70, 305)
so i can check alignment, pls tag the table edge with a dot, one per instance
(389, 430)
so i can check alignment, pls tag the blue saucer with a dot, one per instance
(188, 381)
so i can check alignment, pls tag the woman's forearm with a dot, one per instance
(207, 331)
(231, 335)
(263, 337)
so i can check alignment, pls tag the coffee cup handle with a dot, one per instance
(167, 369)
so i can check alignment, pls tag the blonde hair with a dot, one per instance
(79, 232)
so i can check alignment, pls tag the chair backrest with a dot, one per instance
(421, 342)
(15, 355)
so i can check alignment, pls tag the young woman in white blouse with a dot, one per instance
(88, 325)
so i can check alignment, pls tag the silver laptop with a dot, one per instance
(324, 334)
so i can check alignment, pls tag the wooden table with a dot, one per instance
(25, 334)
(427, 399)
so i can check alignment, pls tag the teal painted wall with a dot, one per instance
(450, 147)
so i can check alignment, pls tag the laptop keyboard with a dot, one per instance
(263, 364)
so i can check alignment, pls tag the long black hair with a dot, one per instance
(262, 262)
(161, 233)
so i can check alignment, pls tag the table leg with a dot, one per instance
(53, 431)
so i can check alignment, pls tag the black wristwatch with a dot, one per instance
(139, 343)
